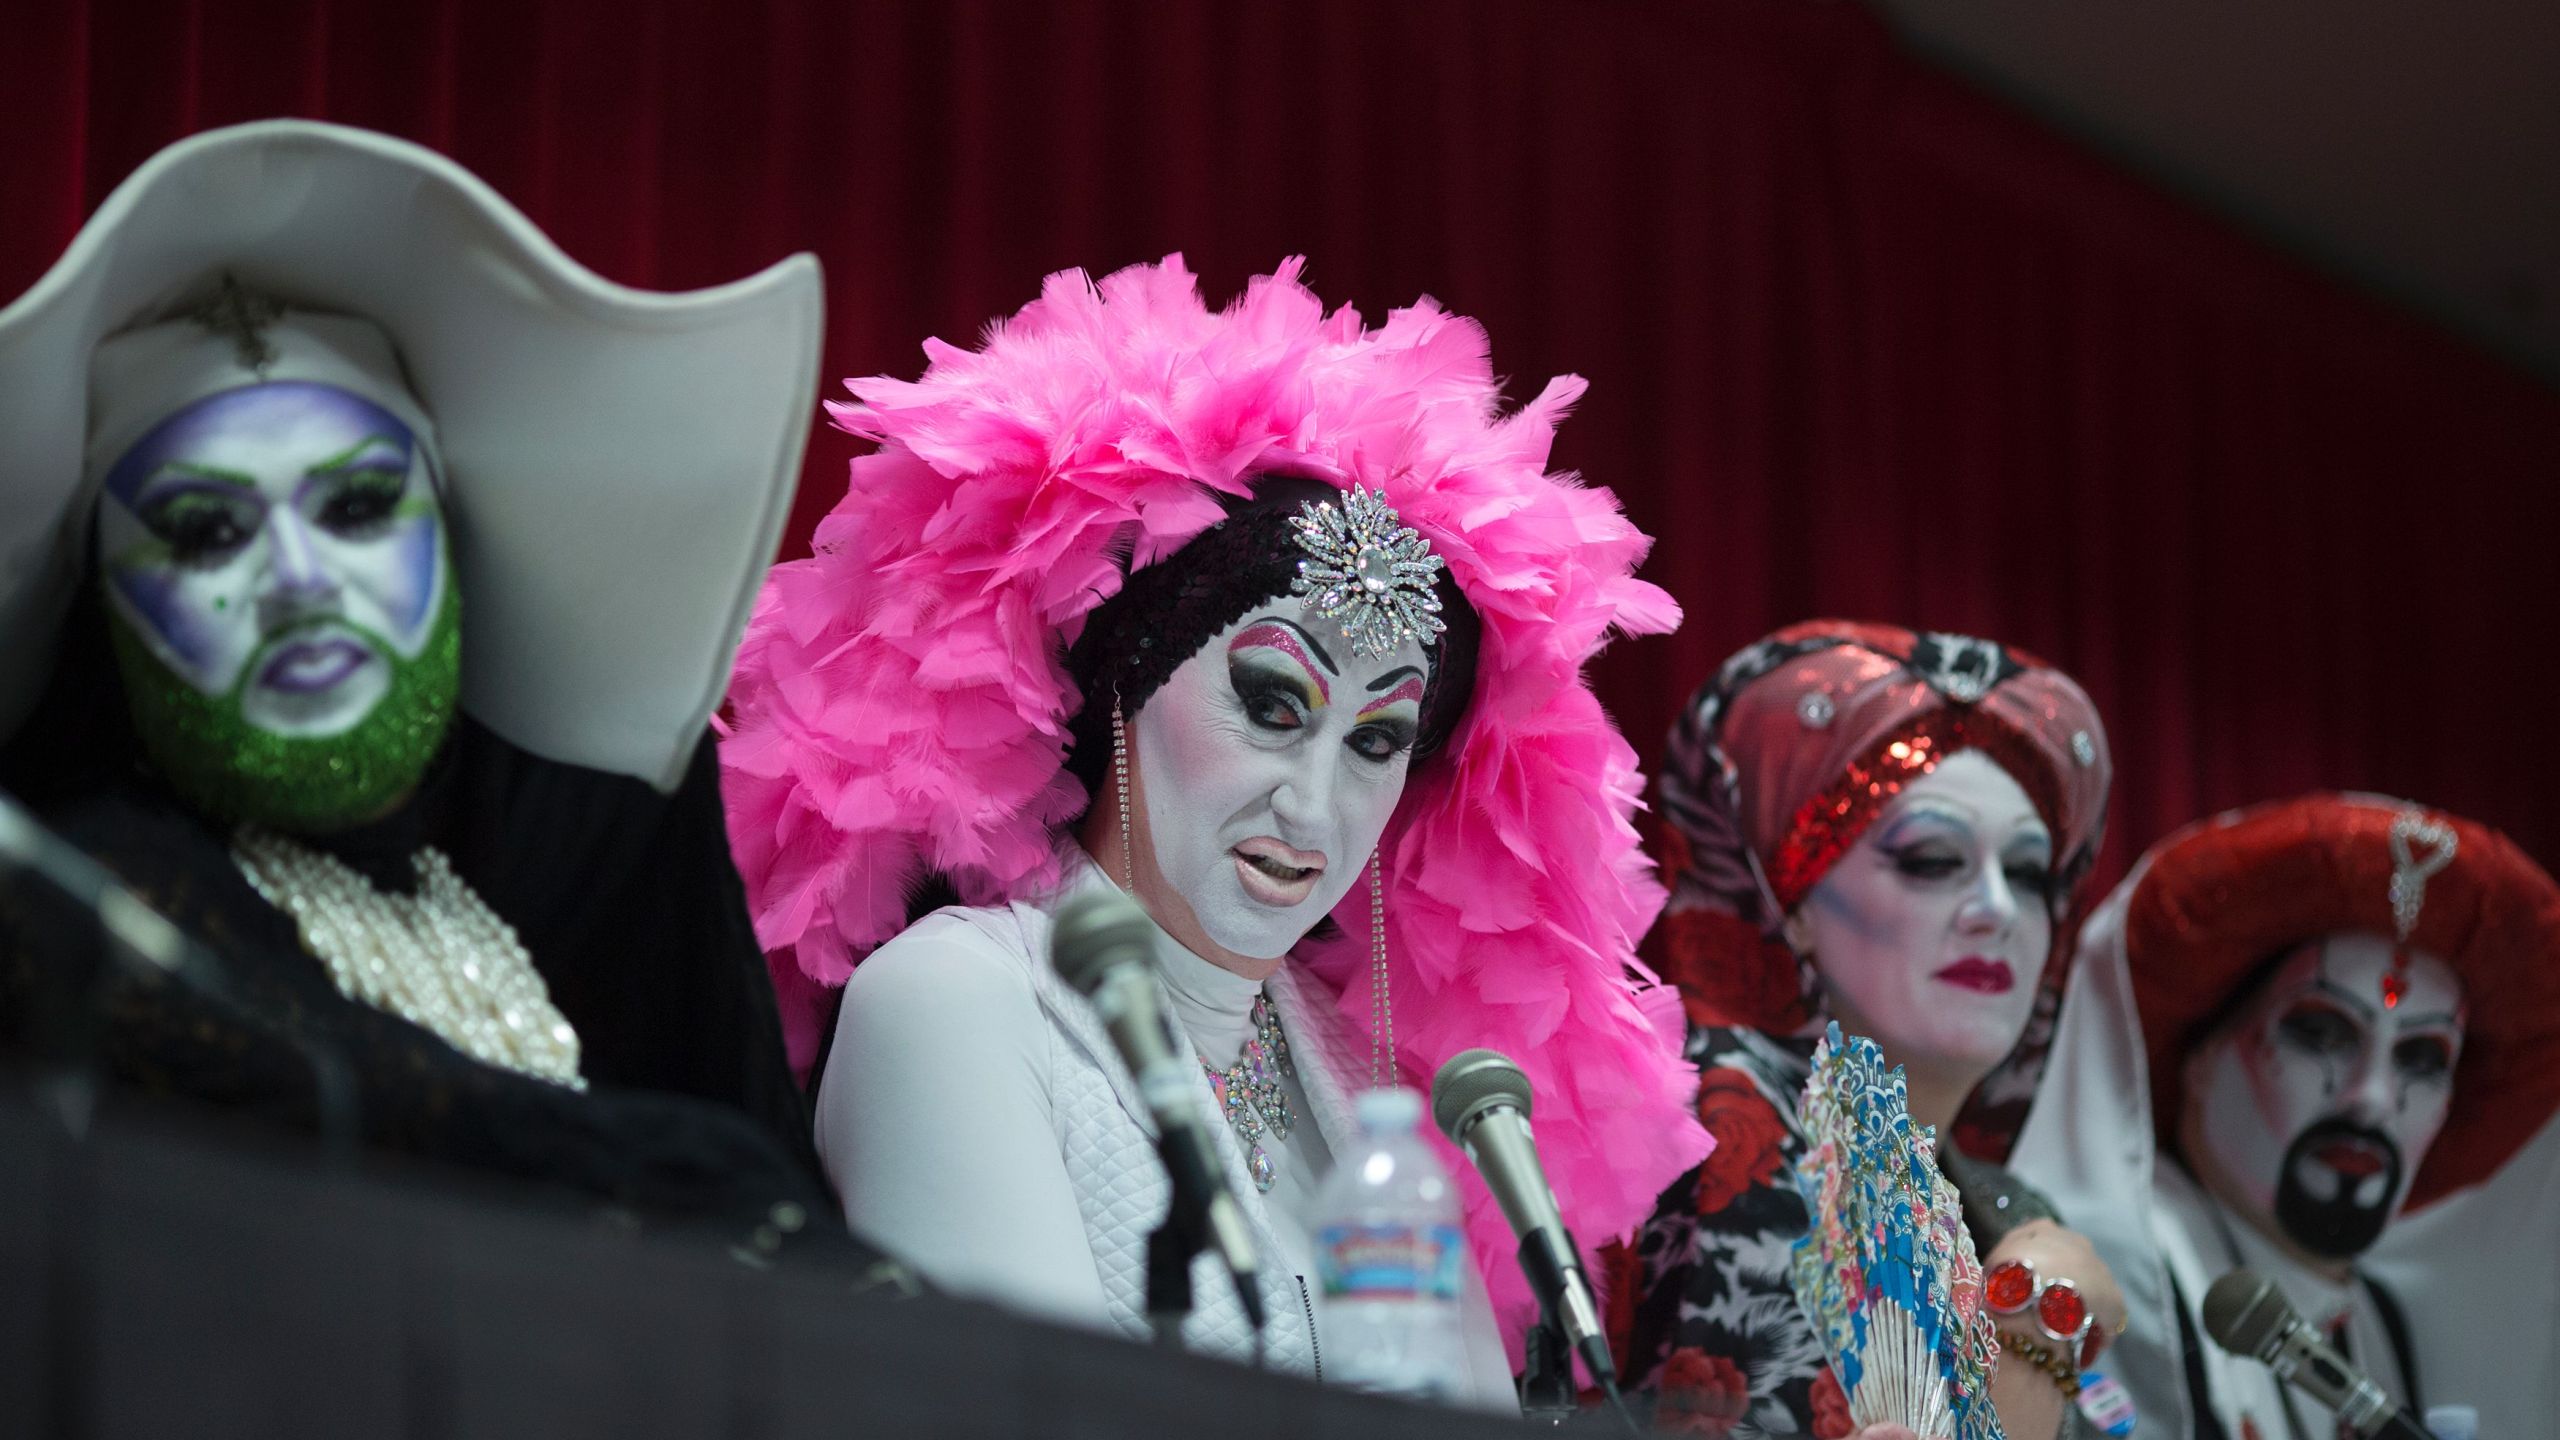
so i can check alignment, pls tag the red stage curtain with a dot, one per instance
(1861, 341)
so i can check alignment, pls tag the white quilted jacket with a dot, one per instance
(1102, 1133)
(1109, 1142)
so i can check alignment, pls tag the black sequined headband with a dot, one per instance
(1133, 642)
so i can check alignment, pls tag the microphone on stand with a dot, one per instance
(139, 940)
(1480, 1100)
(2246, 1315)
(1103, 944)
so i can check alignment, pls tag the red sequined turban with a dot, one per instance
(1780, 763)
(2215, 902)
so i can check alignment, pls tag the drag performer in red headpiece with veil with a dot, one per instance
(2300, 1019)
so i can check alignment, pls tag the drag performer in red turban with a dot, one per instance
(2326, 1010)
(1888, 830)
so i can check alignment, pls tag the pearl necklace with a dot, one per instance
(440, 959)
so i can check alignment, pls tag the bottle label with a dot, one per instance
(1390, 1262)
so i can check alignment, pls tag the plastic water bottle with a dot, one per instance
(2454, 1422)
(1389, 1252)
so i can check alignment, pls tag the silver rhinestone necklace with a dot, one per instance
(1250, 1092)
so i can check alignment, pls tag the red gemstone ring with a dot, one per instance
(2012, 1287)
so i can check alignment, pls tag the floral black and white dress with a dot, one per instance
(1704, 1322)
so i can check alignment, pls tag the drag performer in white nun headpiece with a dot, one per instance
(371, 572)
(2297, 1021)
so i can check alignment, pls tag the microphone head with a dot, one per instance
(1094, 932)
(1473, 1082)
(2246, 1314)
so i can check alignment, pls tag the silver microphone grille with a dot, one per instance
(1095, 931)
(1473, 1082)
(2245, 1314)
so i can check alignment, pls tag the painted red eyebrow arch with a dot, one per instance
(1411, 690)
(1272, 635)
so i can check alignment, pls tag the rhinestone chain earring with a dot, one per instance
(1382, 1030)
(1120, 785)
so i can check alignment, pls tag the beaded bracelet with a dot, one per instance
(2046, 1359)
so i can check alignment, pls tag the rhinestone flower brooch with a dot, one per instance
(1368, 571)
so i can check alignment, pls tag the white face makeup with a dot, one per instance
(281, 543)
(1267, 767)
(1932, 932)
(2311, 1108)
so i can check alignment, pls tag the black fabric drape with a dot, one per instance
(702, 1130)
(626, 899)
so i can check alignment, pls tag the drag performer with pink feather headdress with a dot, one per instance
(1277, 622)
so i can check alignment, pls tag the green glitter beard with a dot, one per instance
(234, 771)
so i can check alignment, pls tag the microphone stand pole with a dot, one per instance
(1546, 1383)
(1189, 1216)
(134, 940)
(1170, 1250)
(1547, 1391)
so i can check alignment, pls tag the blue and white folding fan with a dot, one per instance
(1887, 1273)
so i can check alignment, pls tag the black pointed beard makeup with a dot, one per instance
(2338, 1187)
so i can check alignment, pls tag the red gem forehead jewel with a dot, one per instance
(2421, 847)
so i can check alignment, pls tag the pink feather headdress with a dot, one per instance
(901, 704)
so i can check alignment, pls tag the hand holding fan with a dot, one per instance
(1887, 1273)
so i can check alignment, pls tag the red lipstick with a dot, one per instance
(2352, 1158)
(1983, 977)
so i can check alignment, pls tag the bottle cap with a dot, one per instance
(2454, 1422)
(1393, 1110)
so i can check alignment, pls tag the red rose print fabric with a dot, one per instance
(1752, 1138)
(1830, 1409)
(1701, 1394)
(1708, 1329)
